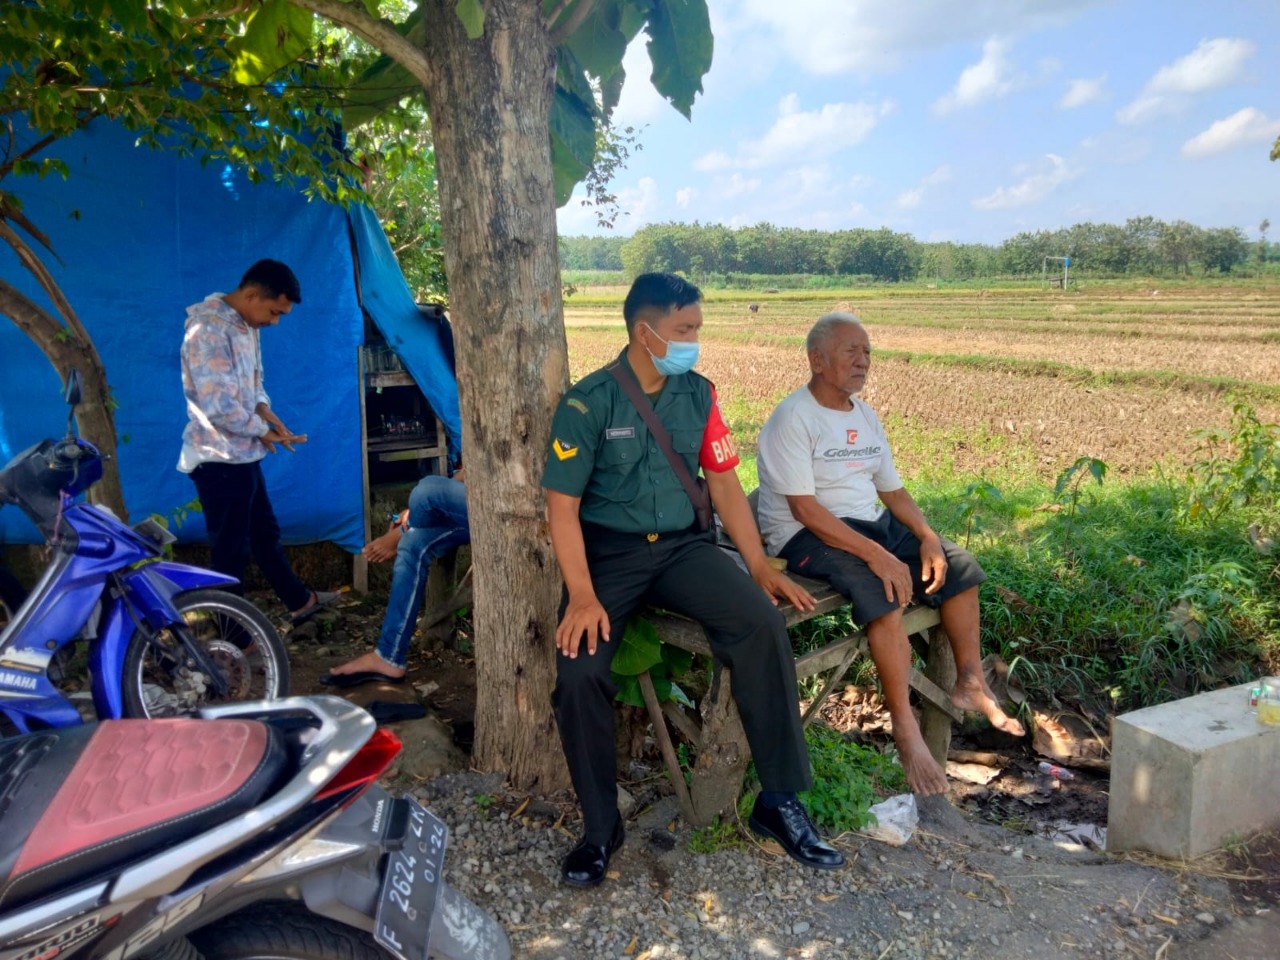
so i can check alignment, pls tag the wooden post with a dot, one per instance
(935, 724)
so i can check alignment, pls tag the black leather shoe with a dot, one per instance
(790, 825)
(587, 863)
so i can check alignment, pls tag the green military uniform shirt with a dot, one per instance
(601, 451)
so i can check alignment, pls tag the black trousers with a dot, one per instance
(688, 574)
(241, 523)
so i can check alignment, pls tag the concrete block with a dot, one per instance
(1187, 775)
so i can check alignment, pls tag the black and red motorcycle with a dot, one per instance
(256, 830)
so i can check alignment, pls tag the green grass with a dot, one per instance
(1121, 604)
(1125, 603)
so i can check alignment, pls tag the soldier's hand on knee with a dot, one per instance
(582, 617)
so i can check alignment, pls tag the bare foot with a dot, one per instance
(924, 776)
(972, 693)
(383, 548)
(371, 663)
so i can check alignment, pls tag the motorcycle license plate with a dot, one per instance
(411, 886)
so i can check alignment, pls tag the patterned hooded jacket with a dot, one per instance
(222, 381)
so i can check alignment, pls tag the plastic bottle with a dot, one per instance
(1053, 770)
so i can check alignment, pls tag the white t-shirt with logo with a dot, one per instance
(841, 457)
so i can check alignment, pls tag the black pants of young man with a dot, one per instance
(241, 524)
(688, 574)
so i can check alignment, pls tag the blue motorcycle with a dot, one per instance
(162, 639)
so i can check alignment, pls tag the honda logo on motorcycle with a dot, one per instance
(65, 940)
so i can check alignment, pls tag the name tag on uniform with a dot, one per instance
(620, 433)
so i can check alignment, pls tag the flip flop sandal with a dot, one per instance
(324, 599)
(384, 711)
(344, 680)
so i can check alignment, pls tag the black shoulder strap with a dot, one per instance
(631, 387)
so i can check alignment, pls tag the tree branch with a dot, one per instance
(47, 283)
(567, 29)
(9, 212)
(29, 317)
(377, 31)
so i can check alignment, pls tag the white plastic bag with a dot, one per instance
(897, 818)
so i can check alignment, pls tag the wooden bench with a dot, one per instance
(716, 733)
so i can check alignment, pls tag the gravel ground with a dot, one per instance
(957, 889)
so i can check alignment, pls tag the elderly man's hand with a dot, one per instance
(895, 575)
(778, 586)
(933, 564)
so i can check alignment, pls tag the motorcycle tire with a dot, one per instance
(233, 633)
(284, 931)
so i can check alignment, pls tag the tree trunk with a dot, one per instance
(489, 101)
(66, 352)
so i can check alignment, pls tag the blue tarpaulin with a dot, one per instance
(143, 234)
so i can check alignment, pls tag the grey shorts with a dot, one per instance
(810, 557)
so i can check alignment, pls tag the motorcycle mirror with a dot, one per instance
(74, 388)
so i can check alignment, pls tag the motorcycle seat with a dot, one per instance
(78, 803)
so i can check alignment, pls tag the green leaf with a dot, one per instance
(680, 48)
(385, 83)
(573, 143)
(275, 35)
(629, 691)
(611, 90)
(471, 13)
(598, 44)
(638, 650)
(571, 78)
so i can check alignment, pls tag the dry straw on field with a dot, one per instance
(1029, 382)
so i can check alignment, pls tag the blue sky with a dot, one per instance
(963, 121)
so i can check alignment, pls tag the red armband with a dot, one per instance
(718, 453)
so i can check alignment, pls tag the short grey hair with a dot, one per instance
(824, 329)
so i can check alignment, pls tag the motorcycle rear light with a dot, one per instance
(366, 766)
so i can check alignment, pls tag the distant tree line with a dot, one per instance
(1141, 246)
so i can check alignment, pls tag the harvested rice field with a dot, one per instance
(999, 383)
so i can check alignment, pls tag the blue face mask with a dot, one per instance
(681, 356)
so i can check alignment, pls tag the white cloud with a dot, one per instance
(1213, 64)
(827, 37)
(1084, 91)
(814, 195)
(576, 217)
(801, 133)
(940, 175)
(685, 196)
(737, 185)
(1247, 126)
(1032, 188)
(989, 78)
(911, 199)
(638, 204)
(713, 162)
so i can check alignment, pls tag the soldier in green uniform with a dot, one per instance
(624, 532)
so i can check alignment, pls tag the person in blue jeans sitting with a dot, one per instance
(434, 524)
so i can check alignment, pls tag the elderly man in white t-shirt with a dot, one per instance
(826, 479)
